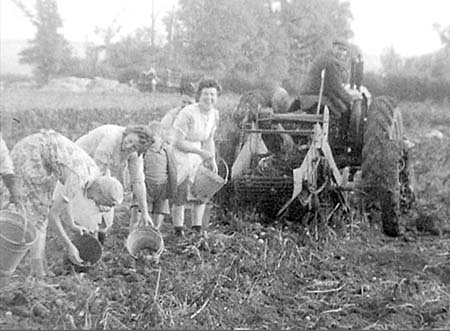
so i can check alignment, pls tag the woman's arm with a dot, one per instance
(103, 154)
(210, 146)
(136, 170)
(59, 205)
(189, 147)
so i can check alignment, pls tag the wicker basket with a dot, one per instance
(259, 186)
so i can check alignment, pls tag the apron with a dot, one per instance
(187, 164)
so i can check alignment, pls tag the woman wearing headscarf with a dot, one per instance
(60, 180)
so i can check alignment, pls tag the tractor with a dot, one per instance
(308, 161)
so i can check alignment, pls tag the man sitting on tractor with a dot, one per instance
(334, 63)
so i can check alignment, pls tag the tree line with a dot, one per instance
(244, 43)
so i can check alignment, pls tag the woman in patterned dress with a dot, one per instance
(59, 181)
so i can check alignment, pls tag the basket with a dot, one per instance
(145, 237)
(207, 183)
(89, 248)
(262, 188)
(254, 185)
(16, 238)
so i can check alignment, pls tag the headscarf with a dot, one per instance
(107, 191)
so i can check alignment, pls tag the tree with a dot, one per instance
(311, 25)
(391, 62)
(211, 32)
(129, 56)
(49, 53)
(232, 38)
(444, 34)
(255, 40)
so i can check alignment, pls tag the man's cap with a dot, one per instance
(340, 42)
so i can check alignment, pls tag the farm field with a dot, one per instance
(245, 274)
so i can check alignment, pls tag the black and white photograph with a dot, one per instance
(303, 149)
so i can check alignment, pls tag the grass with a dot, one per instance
(430, 155)
(17, 100)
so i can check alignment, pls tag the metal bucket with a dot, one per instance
(145, 237)
(207, 183)
(16, 238)
(89, 248)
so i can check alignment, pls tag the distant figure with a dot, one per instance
(357, 72)
(148, 80)
(333, 61)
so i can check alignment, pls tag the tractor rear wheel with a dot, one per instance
(381, 156)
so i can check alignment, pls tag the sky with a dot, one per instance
(80, 17)
(406, 25)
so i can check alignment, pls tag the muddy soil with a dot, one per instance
(242, 275)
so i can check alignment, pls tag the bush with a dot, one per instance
(238, 84)
(407, 87)
(8, 79)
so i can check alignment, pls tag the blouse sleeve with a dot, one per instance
(136, 168)
(183, 122)
(6, 164)
(169, 118)
(103, 153)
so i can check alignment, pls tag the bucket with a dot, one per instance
(207, 183)
(142, 238)
(16, 238)
(89, 248)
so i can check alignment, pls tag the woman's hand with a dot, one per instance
(147, 220)
(215, 168)
(211, 164)
(74, 254)
(80, 229)
(206, 155)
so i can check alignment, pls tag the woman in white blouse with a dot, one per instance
(194, 145)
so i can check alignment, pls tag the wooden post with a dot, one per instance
(153, 23)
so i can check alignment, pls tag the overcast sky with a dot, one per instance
(407, 25)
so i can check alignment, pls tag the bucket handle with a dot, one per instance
(25, 219)
(227, 169)
(143, 227)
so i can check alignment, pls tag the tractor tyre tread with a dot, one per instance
(380, 158)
